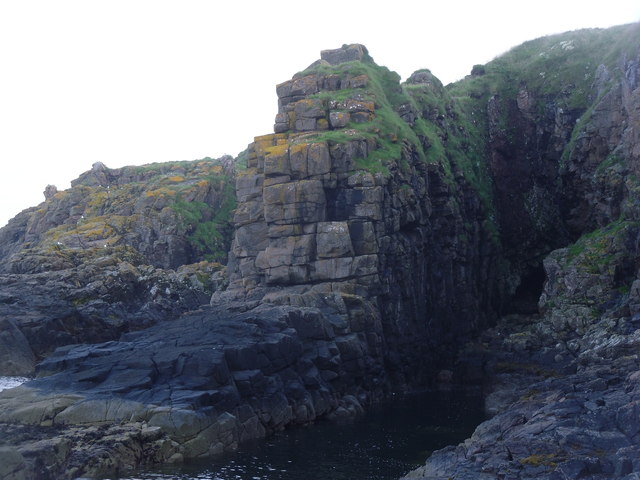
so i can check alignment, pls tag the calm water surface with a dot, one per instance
(385, 443)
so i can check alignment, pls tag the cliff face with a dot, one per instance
(561, 122)
(118, 251)
(567, 379)
(319, 216)
(379, 227)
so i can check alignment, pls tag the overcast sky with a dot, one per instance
(129, 82)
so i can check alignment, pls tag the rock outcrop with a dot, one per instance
(321, 222)
(565, 382)
(376, 231)
(119, 251)
(355, 264)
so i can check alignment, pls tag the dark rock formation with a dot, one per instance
(354, 267)
(377, 230)
(565, 383)
(119, 251)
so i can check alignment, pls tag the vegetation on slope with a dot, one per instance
(166, 214)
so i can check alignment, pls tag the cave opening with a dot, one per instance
(527, 294)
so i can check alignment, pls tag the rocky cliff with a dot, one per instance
(564, 381)
(377, 230)
(351, 207)
(118, 251)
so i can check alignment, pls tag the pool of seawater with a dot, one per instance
(10, 382)
(385, 443)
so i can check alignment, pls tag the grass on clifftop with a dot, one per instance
(561, 66)
(147, 200)
(443, 131)
(387, 127)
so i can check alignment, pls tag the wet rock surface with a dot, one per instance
(564, 386)
(202, 383)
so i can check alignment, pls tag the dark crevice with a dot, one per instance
(525, 298)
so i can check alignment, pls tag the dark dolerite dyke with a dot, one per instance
(386, 237)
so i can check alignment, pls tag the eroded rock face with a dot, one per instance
(370, 236)
(119, 251)
(565, 382)
(310, 220)
(344, 277)
(229, 378)
(565, 385)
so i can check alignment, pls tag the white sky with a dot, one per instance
(128, 82)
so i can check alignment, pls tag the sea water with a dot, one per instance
(10, 382)
(391, 439)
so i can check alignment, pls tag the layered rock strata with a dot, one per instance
(313, 221)
(378, 227)
(565, 382)
(119, 251)
(347, 281)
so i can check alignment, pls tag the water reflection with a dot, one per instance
(387, 442)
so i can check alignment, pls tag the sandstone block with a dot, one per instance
(361, 117)
(370, 211)
(281, 123)
(331, 82)
(305, 124)
(276, 180)
(296, 202)
(250, 239)
(353, 105)
(277, 231)
(303, 86)
(363, 238)
(361, 179)
(290, 251)
(338, 119)
(309, 108)
(343, 155)
(331, 268)
(248, 212)
(298, 159)
(276, 162)
(359, 81)
(311, 323)
(287, 275)
(347, 53)
(248, 187)
(280, 127)
(364, 265)
(333, 240)
(318, 159)
(284, 89)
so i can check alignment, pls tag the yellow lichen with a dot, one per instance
(546, 459)
(280, 149)
(160, 192)
(60, 195)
